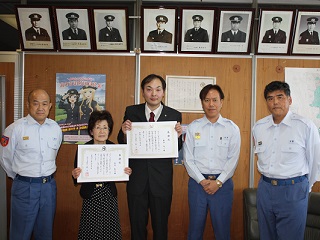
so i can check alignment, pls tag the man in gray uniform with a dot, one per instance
(310, 36)
(197, 33)
(275, 35)
(234, 35)
(160, 34)
(35, 32)
(109, 33)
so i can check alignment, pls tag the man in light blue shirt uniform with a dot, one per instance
(288, 150)
(211, 152)
(28, 153)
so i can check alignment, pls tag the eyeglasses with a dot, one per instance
(102, 128)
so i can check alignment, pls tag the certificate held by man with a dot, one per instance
(153, 140)
(102, 162)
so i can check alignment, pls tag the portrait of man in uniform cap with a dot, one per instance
(197, 33)
(310, 36)
(234, 34)
(109, 33)
(160, 34)
(35, 32)
(73, 32)
(275, 35)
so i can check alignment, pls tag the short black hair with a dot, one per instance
(100, 116)
(277, 85)
(207, 88)
(151, 77)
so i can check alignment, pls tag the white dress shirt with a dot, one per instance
(212, 148)
(32, 148)
(288, 149)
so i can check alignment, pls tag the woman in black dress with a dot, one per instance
(100, 215)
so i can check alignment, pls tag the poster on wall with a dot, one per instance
(305, 94)
(77, 95)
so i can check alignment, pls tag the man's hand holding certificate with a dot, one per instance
(153, 140)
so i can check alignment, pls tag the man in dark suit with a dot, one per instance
(73, 32)
(36, 33)
(275, 35)
(196, 34)
(160, 34)
(109, 33)
(150, 185)
(310, 36)
(234, 35)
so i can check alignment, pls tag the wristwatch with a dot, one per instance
(219, 183)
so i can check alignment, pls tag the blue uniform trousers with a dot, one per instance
(33, 206)
(282, 210)
(220, 207)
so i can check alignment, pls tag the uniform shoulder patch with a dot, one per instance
(4, 140)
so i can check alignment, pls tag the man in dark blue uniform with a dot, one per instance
(275, 35)
(109, 33)
(196, 34)
(310, 36)
(73, 32)
(234, 35)
(160, 35)
(36, 33)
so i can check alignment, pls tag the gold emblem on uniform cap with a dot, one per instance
(26, 138)
(161, 18)
(197, 135)
(236, 18)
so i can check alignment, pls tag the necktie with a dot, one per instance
(311, 33)
(151, 119)
(38, 31)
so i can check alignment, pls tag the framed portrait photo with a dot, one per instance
(111, 29)
(73, 28)
(35, 28)
(158, 29)
(235, 30)
(197, 30)
(275, 31)
(306, 36)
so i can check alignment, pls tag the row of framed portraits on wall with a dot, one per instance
(195, 30)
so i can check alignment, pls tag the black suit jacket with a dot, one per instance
(306, 38)
(158, 173)
(164, 36)
(32, 35)
(229, 37)
(270, 37)
(87, 189)
(69, 35)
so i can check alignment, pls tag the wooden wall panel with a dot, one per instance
(237, 90)
(7, 69)
(266, 73)
(40, 72)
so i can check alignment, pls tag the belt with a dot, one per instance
(101, 185)
(211, 176)
(283, 182)
(35, 179)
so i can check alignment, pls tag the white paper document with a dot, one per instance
(153, 140)
(102, 163)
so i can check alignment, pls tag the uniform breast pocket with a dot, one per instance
(53, 143)
(199, 143)
(223, 146)
(26, 144)
(289, 151)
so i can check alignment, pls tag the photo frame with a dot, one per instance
(35, 27)
(197, 30)
(73, 28)
(164, 20)
(111, 29)
(182, 92)
(275, 31)
(303, 42)
(239, 43)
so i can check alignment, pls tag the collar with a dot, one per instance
(286, 120)
(156, 112)
(206, 121)
(31, 120)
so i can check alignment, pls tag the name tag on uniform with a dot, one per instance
(197, 135)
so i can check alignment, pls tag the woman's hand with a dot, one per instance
(76, 173)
